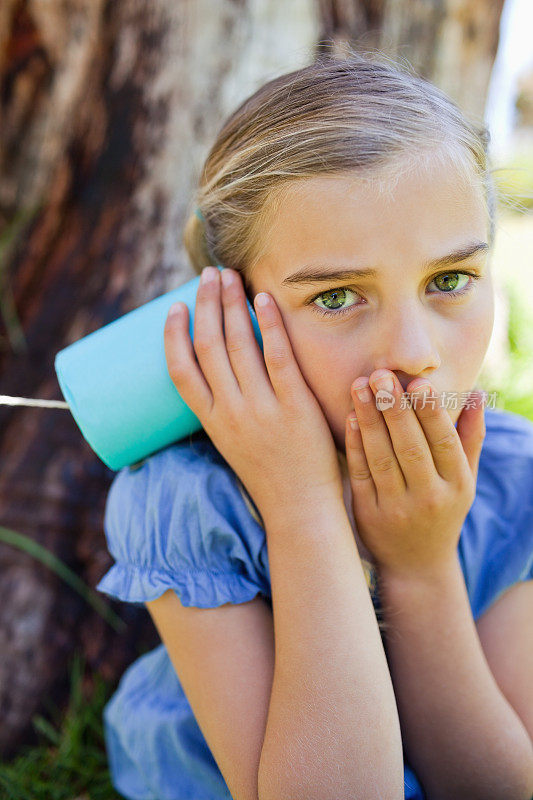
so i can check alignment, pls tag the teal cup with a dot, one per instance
(117, 386)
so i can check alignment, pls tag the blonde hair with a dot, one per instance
(364, 114)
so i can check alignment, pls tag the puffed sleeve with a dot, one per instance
(496, 544)
(182, 521)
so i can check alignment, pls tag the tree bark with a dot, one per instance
(108, 111)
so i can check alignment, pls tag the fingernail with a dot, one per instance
(386, 384)
(353, 423)
(175, 309)
(424, 387)
(227, 278)
(262, 299)
(208, 274)
(363, 392)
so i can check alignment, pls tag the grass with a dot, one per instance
(513, 383)
(69, 762)
(9, 239)
(519, 392)
(511, 268)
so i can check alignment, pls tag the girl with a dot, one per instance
(352, 203)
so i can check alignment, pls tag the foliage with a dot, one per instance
(70, 761)
(514, 181)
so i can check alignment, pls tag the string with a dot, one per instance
(6, 400)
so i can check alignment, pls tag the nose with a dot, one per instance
(406, 345)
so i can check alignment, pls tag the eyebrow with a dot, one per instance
(312, 274)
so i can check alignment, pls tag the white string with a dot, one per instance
(6, 400)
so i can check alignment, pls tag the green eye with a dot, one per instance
(446, 282)
(333, 300)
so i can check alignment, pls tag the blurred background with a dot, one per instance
(108, 110)
(509, 116)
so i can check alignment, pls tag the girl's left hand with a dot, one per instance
(413, 476)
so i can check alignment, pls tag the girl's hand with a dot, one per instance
(413, 476)
(257, 410)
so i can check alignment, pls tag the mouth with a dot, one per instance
(404, 381)
(404, 384)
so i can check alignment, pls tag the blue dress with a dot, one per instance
(182, 520)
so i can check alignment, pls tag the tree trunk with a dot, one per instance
(443, 40)
(108, 111)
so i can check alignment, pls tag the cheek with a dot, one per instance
(326, 366)
(321, 354)
(329, 370)
(477, 328)
(329, 367)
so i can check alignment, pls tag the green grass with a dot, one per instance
(516, 394)
(512, 268)
(9, 239)
(518, 397)
(69, 762)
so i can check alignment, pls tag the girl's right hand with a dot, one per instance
(257, 410)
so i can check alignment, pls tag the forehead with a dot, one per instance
(432, 184)
(421, 213)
